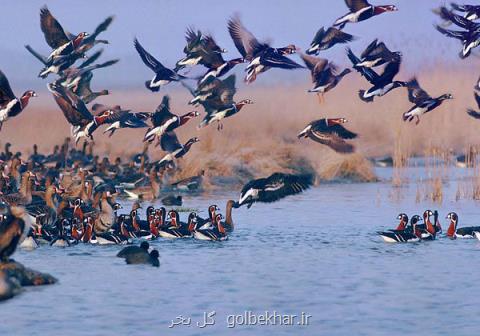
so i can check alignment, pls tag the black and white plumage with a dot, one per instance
(472, 112)
(125, 119)
(10, 105)
(326, 39)
(377, 54)
(65, 45)
(324, 74)
(422, 101)
(163, 75)
(274, 188)
(331, 133)
(163, 120)
(470, 37)
(261, 56)
(76, 112)
(175, 150)
(470, 12)
(217, 100)
(193, 49)
(381, 84)
(410, 235)
(78, 79)
(361, 10)
(454, 231)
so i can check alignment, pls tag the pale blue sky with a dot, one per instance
(160, 26)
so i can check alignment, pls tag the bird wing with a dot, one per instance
(356, 5)
(193, 40)
(91, 59)
(275, 60)
(338, 36)
(246, 43)
(332, 140)
(369, 48)
(147, 58)
(6, 93)
(319, 36)
(368, 73)
(390, 71)
(162, 113)
(416, 94)
(314, 64)
(473, 114)
(342, 132)
(75, 116)
(211, 53)
(459, 35)
(169, 142)
(52, 30)
(41, 58)
(103, 26)
(456, 19)
(278, 186)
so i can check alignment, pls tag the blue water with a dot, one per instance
(315, 253)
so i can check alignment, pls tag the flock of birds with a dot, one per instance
(69, 195)
(409, 232)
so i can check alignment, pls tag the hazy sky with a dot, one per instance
(160, 26)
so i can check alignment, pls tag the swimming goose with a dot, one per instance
(324, 40)
(464, 232)
(422, 100)
(163, 75)
(361, 10)
(145, 258)
(330, 132)
(10, 105)
(382, 84)
(408, 235)
(216, 233)
(261, 56)
(130, 250)
(274, 188)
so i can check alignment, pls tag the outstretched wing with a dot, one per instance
(169, 142)
(52, 30)
(147, 58)
(331, 140)
(368, 73)
(459, 35)
(6, 93)
(275, 187)
(416, 94)
(246, 43)
(356, 5)
(342, 132)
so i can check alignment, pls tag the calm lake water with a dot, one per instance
(316, 253)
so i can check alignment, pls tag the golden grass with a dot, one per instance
(262, 138)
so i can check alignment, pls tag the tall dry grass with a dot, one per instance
(262, 138)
